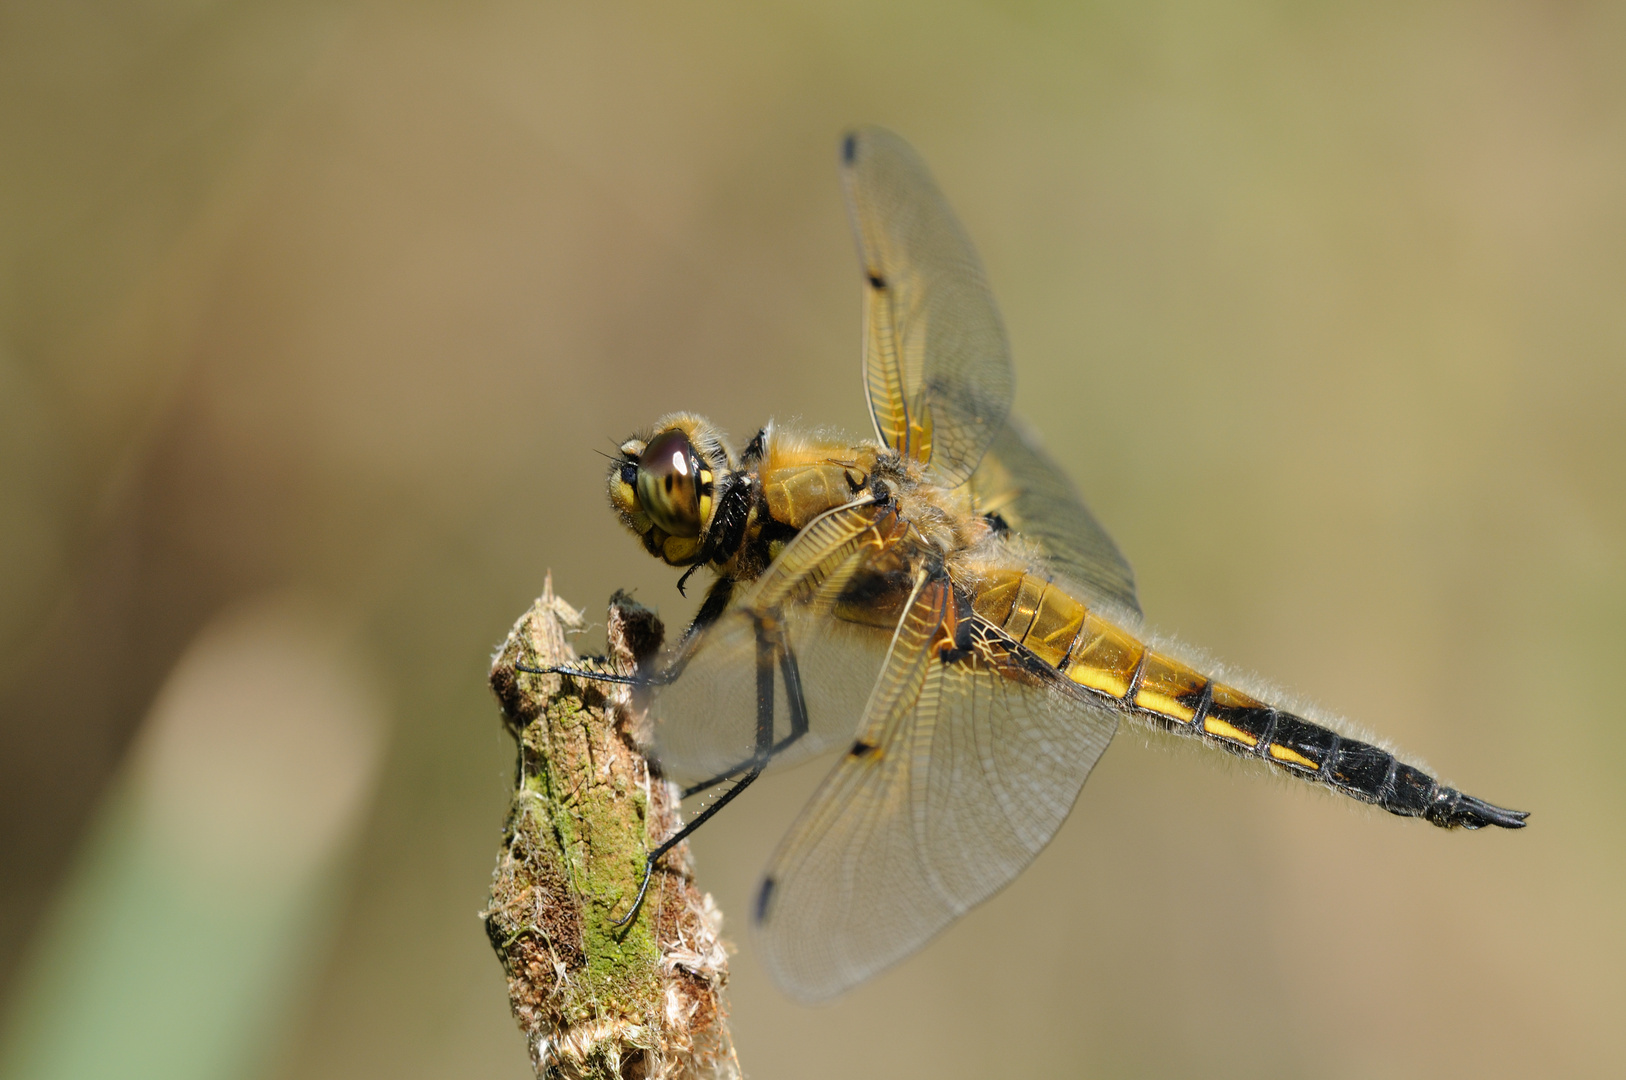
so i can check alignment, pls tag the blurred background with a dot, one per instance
(313, 317)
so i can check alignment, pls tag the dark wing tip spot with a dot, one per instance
(876, 281)
(849, 148)
(862, 749)
(759, 913)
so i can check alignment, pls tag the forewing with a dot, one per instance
(975, 763)
(936, 363)
(706, 719)
(1020, 483)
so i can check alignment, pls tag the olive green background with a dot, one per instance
(1323, 306)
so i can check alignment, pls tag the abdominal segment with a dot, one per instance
(1110, 662)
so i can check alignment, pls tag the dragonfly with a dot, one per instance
(936, 602)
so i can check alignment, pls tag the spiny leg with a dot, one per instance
(766, 748)
(795, 703)
(717, 599)
(613, 677)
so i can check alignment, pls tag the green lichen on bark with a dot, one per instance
(595, 999)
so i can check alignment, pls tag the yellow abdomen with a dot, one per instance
(1105, 658)
(1114, 665)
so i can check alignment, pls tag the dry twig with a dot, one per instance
(593, 999)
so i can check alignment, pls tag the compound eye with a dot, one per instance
(669, 484)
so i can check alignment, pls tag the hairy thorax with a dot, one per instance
(803, 476)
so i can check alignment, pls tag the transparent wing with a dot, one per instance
(783, 646)
(936, 363)
(1020, 483)
(706, 720)
(972, 766)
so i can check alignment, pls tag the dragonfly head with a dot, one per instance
(664, 485)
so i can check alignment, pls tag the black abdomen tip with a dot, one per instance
(1451, 809)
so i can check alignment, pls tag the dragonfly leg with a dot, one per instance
(586, 673)
(641, 680)
(708, 784)
(717, 598)
(683, 834)
(795, 701)
(796, 704)
(751, 768)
